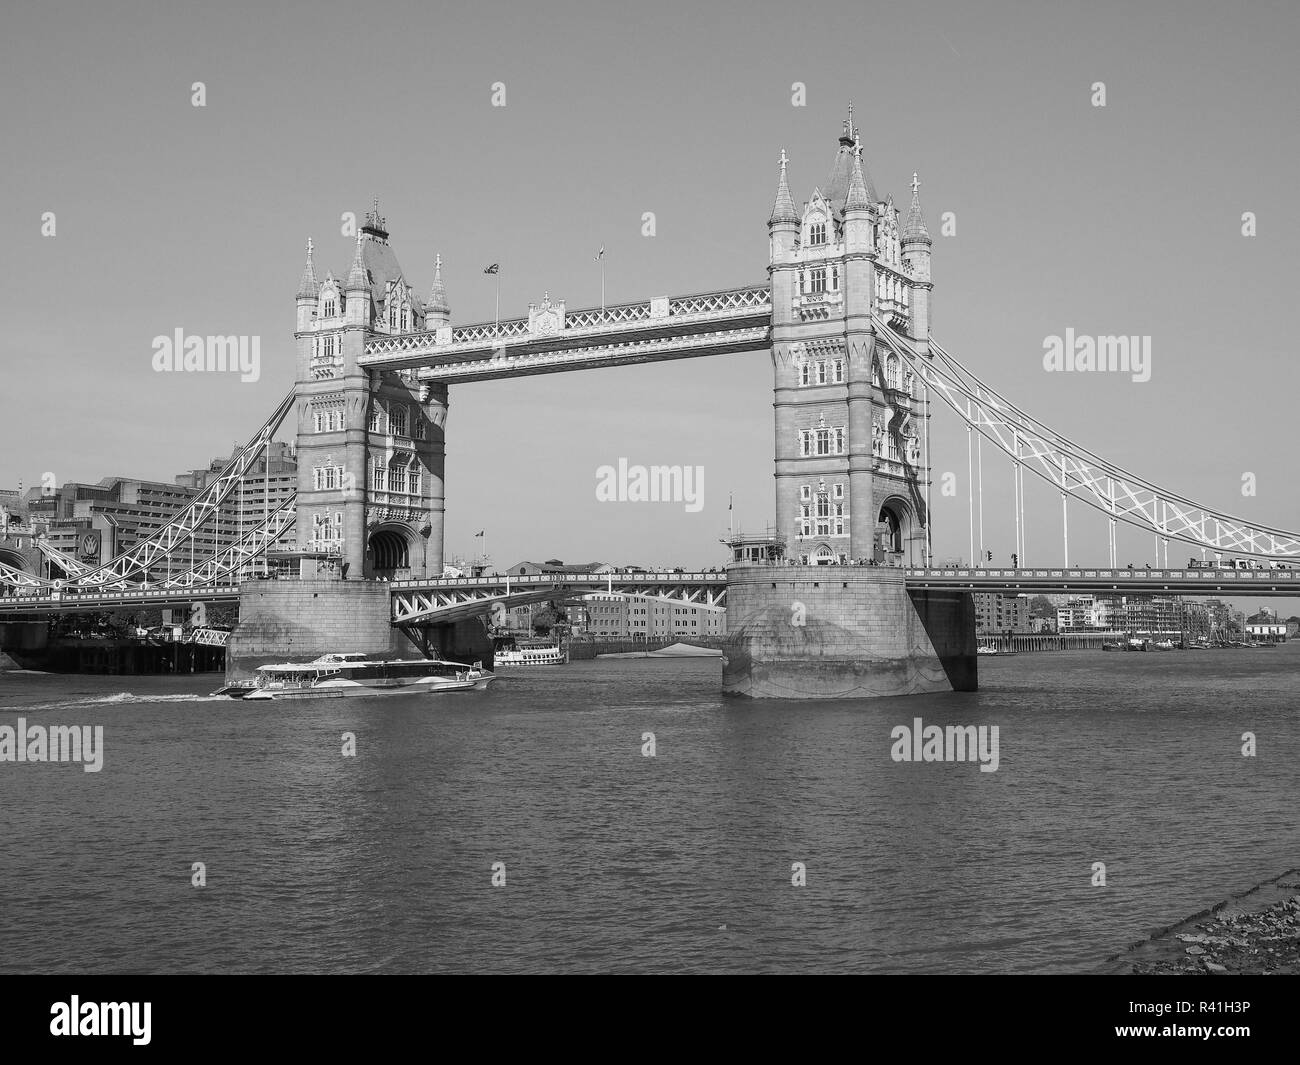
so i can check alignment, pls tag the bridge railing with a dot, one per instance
(1217, 576)
(71, 597)
(527, 579)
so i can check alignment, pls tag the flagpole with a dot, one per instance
(496, 313)
(602, 284)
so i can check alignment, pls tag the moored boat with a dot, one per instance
(508, 651)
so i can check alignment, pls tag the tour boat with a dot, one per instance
(334, 676)
(508, 652)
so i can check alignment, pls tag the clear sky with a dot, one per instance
(1123, 219)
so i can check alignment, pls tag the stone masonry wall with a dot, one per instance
(840, 632)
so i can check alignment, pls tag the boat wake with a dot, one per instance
(123, 699)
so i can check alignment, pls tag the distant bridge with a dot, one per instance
(451, 599)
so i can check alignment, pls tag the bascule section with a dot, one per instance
(852, 462)
(370, 441)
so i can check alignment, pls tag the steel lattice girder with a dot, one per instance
(183, 526)
(1076, 471)
(249, 547)
(445, 603)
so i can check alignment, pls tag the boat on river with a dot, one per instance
(334, 676)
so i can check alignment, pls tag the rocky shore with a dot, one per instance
(1254, 933)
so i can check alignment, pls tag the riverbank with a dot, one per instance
(1255, 932)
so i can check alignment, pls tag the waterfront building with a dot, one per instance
(615, 615)
(554, 565)
(1265, 625)
(998, 613)
(96, 522)
(1078, 614)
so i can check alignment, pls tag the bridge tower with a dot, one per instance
(371, 444)
(851, 471)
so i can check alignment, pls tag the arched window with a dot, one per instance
(817, 233)
(891, 371)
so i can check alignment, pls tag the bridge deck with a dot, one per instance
(1134, 581)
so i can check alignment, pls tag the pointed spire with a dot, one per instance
(857, 199)
(914, 227)
(783, 209)
(846, 138)
(308, 286)
(357, 276)
(438, 294)
(376, 223)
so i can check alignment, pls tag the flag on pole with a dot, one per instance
(601, 254)
(478, 534)
(495, 268)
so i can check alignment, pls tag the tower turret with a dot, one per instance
(358, 287)
(916, 252)
(783, 225)
(308, 292)
(857, 207)
(436, 311)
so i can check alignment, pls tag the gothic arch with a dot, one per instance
(389, 550)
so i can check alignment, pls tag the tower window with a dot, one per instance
(821, 373)
(803, 374)
(839, 371)
(817, 233)
(397, 420)
(805, 492)
(819, 278)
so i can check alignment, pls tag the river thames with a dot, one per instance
(615, 861)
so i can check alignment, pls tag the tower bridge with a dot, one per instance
(845, 316)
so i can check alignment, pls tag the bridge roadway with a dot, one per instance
(444, 599)
(1126, 581)
(448, 599)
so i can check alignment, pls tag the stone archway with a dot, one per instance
(388, 552)
(893, 534)
(823, 555)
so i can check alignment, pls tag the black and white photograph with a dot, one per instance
(722, 489)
